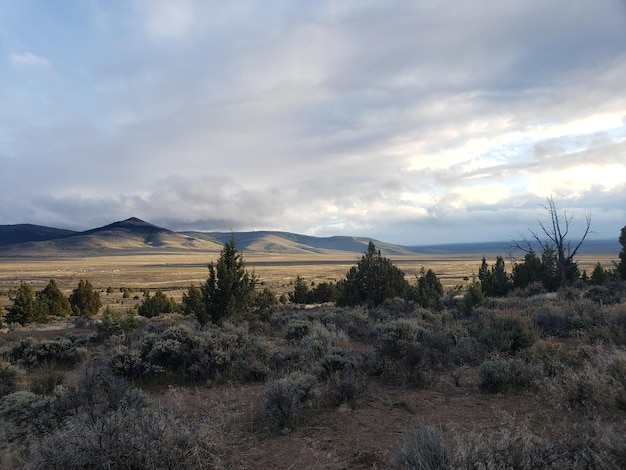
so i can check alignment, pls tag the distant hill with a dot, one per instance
(129, 236)
(287, 242)
(23, 233)
(135, 236)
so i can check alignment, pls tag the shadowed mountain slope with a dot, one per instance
(23, 233)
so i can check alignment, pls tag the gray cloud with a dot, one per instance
(411, 122)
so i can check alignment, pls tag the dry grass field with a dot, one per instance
(174, 272)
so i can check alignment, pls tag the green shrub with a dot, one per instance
(393, 338)
(607, 294)
(157, 304)
(46, 382)
(297, 329)
(282, 401)
(10, 377)
(30, 352)
(334, 362)
(114, 322)
(507, 334)
(321, 339)
(495, 376)
(181, 353)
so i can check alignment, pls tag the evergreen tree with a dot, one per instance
(23, 308)
(229, 289)
(494, 282)
(621, 267)
(84, 299)
(599, 275)
(551, 272)
(52, 302)
(500, 282)
(527, 272)
(323, 292)
(371, 281)
(429, 291)
(193, 304)
(300, 293)
(474, 296)
(157, 304)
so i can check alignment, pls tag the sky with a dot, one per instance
(411, 122)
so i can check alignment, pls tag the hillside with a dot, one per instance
(24, 233)
(129, 236)
(287, 242)
(135, 236)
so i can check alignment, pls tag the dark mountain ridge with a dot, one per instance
(136, 235)
(23, 233)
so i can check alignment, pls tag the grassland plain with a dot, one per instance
(174, 272)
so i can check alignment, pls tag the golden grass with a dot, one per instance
(174, 272)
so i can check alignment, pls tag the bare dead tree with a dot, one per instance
(556, 231)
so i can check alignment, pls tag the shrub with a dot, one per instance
(30, 352)
(507, 334)
(552, 321)
(10, 377)
(180, 353)
(498, 376)
(607, 294)
(46, 382)
(334, 362)
(321, 340)
(514, 446)
(473, 297)
(423, 448)
(495, 376)
(393, 338)
(297, 329)
(283, 400)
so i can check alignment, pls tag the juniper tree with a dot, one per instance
(52, 302)
(84, 299)
(22, 310)
(371, 281)
(229, 289)
(621, 267)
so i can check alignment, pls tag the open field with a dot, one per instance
(174, 272)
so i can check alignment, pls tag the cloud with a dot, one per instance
(164, 19)
(28, 60)
(402, 119)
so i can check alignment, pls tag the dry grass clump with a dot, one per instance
(512, 446)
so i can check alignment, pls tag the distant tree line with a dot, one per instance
(42, 306)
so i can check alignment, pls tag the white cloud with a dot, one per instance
(28, 60)
(164, 19)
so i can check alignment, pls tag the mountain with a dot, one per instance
(128, 236)
(22, 233)
(287, 242)
(135, 236)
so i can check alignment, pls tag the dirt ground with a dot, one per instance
(359, 437)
